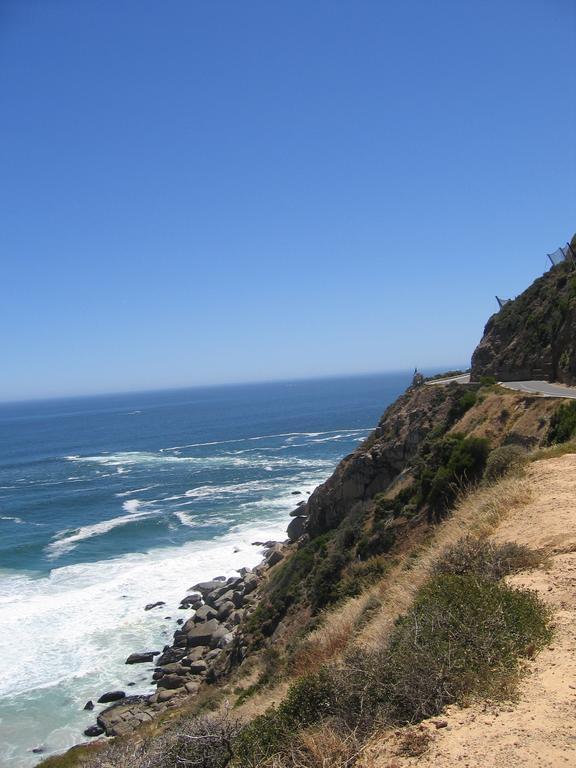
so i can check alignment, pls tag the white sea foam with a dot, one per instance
(65, 637)
(131, 505)
(13, 519)
(128, 459)
(136, 490)
(289, 435)
(67, 540)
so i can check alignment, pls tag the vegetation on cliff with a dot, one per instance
(533, 336)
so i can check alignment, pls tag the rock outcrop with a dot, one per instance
(380, 459)
(534, 336)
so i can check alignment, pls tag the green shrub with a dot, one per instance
(563, 424)
(360, 574)
(503, 460)
(461, 405)
(484, 559)
(464, 636)
(487, 381)
(459, 461)
(309, 700)
(379, 540)
(387, 508)
(324, 587)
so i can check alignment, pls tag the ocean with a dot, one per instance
(110, 503)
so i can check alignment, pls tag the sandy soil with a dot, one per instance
(539, 730)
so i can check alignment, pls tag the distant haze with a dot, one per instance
(199, 193)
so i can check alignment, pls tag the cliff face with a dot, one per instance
(534, 336)
(379, 460)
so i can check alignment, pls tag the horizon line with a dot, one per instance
(185, 387)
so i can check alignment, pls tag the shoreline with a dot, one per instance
(206, 645)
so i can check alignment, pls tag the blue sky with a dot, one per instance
(196, 192)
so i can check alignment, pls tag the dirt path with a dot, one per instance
(538, 731)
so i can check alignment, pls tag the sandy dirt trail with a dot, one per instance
(539, 730)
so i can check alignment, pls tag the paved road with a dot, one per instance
(464, 378)
(544, 388)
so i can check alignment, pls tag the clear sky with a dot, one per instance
(196, 192)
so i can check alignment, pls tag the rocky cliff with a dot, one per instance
(400, 450)
(534, 336)
(377, 462)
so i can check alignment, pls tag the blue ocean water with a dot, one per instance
(108, 503)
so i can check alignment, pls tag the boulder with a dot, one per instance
(224, 598)
(194, 655)
(142, 658)
(250, 583)
(205, 613)
(296, 528)
(154, 605)
(172, 681)
(221, 637)
(109, 696)
(205, 587)
(94, 730)
(178, 668)
(213, 597)
(166, 695)
(89, 705)
(192, 687)
(198, 668)
(115, 720)
(191, 601)
(225, 609)
(275, 556)
(202, 633)
(244, 571)
(170, 655)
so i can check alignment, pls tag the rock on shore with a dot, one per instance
(204, 648)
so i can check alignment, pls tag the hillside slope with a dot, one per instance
(539, 730)
(534, 336)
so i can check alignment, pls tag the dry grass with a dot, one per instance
(332, 637)
(322, 747)
(553, 452)
(476, 513)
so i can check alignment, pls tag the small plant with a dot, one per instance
(414, 742)
(359, 575)
(504, 460)
(485, 559)
(563, 424)
(379, 540)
